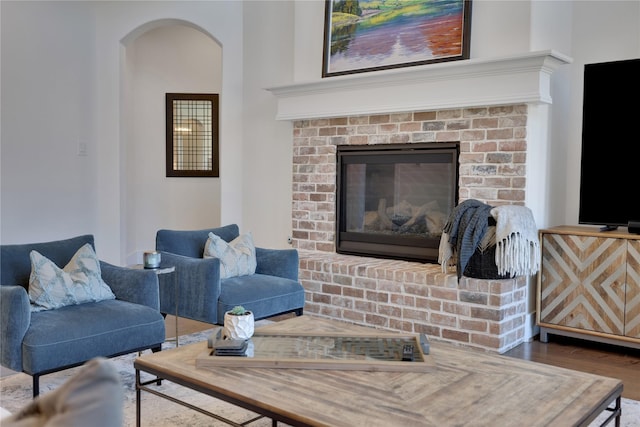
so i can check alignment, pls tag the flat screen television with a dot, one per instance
(610, 168)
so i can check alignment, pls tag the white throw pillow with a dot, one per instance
(93, 396)
(78, 282)
(237, 258)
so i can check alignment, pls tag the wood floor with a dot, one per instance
(596, 358)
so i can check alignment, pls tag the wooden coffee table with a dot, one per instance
(467, 387)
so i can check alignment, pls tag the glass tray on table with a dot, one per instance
(365, 352)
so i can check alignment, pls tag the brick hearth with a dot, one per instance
(415, 297)
(401, 295)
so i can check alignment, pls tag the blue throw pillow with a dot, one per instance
(237, 258)
(78, 282)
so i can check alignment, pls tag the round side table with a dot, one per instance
(171, 271)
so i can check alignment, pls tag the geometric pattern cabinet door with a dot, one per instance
(582, 283)
(632, 313)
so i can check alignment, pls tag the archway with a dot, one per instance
(161, 57)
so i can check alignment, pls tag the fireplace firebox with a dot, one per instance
(393, 200)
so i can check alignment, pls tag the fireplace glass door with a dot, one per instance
(393, 200)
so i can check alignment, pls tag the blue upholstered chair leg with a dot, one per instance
(36, 385)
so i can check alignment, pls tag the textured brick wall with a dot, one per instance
(417, 298)
(398, 294)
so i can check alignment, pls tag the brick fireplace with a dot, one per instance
(498, 135)
(411, 296)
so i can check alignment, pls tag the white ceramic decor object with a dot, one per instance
(238, 327)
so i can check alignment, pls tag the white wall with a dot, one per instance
(64, 79)
(48, 191)
(115, 21)
(64, 69)
(168, 58)
(268, 147)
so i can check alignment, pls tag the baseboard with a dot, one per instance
(530, 327)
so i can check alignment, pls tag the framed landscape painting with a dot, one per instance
(370, 35)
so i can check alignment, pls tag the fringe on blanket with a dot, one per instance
(517, 256)
(516, 240)
(517, 245)
(446, 257)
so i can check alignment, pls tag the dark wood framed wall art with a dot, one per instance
(192, 134)
(370, 35)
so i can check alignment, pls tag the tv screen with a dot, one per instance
(610, 170)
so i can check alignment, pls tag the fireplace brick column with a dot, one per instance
(402, 295)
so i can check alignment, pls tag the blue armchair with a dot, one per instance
(41, 342)
(274, 288)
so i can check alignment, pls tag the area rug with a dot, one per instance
(15, 392)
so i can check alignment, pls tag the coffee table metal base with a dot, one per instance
(616, 413)
(144, 386)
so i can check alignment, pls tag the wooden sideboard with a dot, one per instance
(589, 285)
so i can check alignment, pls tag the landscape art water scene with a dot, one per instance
(367, 35)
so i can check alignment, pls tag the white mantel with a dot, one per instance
(524, 78)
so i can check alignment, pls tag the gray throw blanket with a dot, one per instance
(462, 233)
